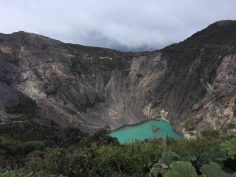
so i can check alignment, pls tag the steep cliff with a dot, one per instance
(90, 88)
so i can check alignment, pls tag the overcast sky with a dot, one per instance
(119, 24)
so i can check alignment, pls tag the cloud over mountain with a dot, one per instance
(119, 24)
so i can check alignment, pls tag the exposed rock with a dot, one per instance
(90, 88)
(164, 114)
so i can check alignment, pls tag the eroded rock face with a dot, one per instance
(218, 108)
(91, 88)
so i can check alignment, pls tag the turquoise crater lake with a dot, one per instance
(146, 130)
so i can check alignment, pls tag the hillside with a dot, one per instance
(90, 88)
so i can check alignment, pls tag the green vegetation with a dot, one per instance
(229, 147)
(190, 124)
(181, 169)
(186, 169)
(96, 51)
(49, 150)
(79, 67)
(26, 109)
(214, 169)
(210, 133)
(231, 126)
(222, 32)
(27, 106)
(13, 173)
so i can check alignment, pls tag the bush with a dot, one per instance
(210, 133)
(72, 153)
(33, 146)
(181, 169)
(25, 174)
(26, 106)
(190, 125)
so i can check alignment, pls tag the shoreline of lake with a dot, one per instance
(143, 121)
(145, 130)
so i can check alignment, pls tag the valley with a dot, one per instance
(191, 84)
(73, 110)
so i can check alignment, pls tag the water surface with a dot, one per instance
(146, 130)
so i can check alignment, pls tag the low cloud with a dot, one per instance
(119, 24)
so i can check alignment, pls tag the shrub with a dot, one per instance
(25, 174)
(210, 133)
(26, 106)
(181, 169)
(229, 146)
(190, 125)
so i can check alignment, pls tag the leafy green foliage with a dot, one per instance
(213, 154)
(15, 148)
(181, 169)
(213, 170)
(53, 150)
(163, 163)
(192, 148)
(229, 147)
(210, 133)
(185, 169)
(25, 174)
(134, 159)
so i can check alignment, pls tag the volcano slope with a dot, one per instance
(192, 83)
